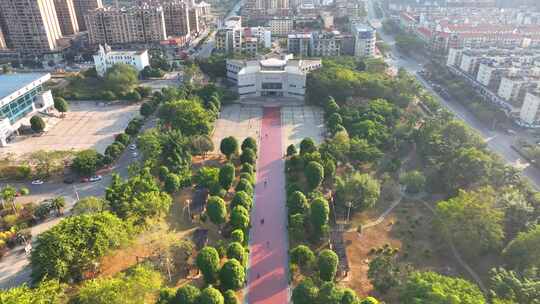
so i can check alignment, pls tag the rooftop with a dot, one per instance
(10, 83)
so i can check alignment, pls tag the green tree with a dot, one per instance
(385, 272)
(514, 287)
(241, 198)
(362, 190)
(523, 252)
(147, 109)
(240, 218)
(330, 293)
(229, 146)
(216, 210)
(60, 105)
(37, 124)
(208, 263)
(361, 150)
(368, 300)
(187, 294)
(248, 156)
(58, 203)
(121, 78)
(189, 116)
(247, 168)
(226, 176)
(201, 145)
(90, 204)
(319, 212)
(244, 185)
(350, 297)
(307, 145)
(70, 248)
(236, 251)
(291, 150)
(414, 181)
(471, 221)
(210, 295)
(232, 275)
(230, 297)
(86, 162)
(49, 291)
(433, 288)
(237, 235)
(297, 203)
(172, 183)
(302, 256)
(138, 285)
(305, 293)
(296, 226)
(249, 143)
(138, 198)
(314, 173)
(328, 262)
(207, 177)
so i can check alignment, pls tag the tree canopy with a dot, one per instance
(70, 248)
(430, 287)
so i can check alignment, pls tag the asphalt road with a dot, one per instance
(14, 267)
(497, 142)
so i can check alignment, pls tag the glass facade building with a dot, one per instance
(21, 105)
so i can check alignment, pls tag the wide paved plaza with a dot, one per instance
(86, 125)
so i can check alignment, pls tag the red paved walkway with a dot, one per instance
(267, 279)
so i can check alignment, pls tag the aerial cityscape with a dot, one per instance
(269, 151)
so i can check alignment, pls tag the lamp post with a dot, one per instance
(349, 205)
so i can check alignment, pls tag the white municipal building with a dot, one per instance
(273, 77)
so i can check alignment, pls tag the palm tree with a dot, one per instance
(8, 194)
(58, 203)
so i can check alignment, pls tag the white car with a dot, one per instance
(37, 182)
(95, 178)
(134, 154)
(132, 147)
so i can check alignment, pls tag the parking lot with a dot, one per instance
(244, 120)
(86, 125)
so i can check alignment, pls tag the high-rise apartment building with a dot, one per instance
(82, 7)
(176, 13)
(67, 18)
(299, 44)
(364, 40)
(194, 24)
(139, 24)
(31, 26)
(3, 44)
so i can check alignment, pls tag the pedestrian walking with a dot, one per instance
(262, 221)
(265, 182)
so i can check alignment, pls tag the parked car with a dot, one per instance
(37, 182)
(69, 180)
(132, 147)
(95, 178)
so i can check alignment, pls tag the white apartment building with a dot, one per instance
(513, 89)
(106, 58)
(271, 77)
(263, 34)
(281, 26)
(364, 40)
(529, 111)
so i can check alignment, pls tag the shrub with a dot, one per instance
(37, 124)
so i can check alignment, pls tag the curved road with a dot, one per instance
(268, 243)
(498, 142)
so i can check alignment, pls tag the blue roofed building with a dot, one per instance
(21, 96)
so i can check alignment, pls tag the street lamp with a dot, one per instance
(349, 205)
